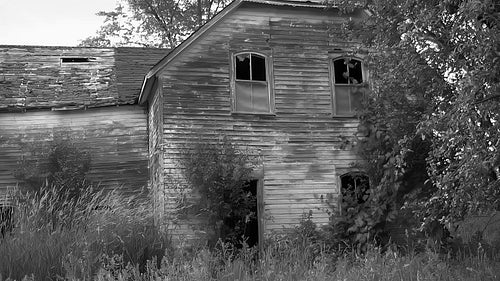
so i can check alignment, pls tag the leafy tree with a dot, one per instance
(432, 122)
(153, 23)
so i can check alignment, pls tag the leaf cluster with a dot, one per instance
(152, 23)
(460, 40)
(430, 128)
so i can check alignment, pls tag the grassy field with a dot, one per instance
(110, 237)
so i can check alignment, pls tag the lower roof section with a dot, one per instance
(65, 78)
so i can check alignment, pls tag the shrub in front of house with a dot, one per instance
(62, 163)
(217, 174)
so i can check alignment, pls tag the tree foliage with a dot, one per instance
(432, 120)
(153, 23)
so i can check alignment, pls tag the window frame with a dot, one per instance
(333, 85)
(269, 81)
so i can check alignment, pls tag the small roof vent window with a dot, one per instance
(77, 60)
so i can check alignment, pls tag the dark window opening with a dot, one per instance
(348, 88)
(348, 71)
(251, 232)
(6, 220)
(355, 188)
(77, 60)
(258, 68)
(243, 67)
(250, 67)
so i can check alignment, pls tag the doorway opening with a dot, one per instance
(253, 226)
(355, 188)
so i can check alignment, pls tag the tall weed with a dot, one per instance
(57, 235)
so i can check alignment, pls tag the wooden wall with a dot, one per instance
(303, 148)
(116, 138)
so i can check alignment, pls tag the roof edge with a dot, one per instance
(186, 43)
(143, 96)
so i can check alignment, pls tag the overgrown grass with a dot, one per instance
(111, 237)
(58, 236)
(283, 261)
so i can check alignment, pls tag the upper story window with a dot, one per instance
(251, 86)
(349, 85)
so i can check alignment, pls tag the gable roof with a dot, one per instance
(150, 77)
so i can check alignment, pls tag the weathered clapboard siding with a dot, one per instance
(155, 125)
(303, 148)
(116, 138)
(35, 77)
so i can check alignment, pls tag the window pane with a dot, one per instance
(243, 67)
(355, 72)
(340, 71)
(356, 98)
(243, 97)
(260, 97)
(258, 68)
(342, 100)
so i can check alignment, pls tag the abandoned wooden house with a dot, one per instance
(275, 76)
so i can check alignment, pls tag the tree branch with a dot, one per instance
(492, 97)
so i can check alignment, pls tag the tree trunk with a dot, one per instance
(200, 21)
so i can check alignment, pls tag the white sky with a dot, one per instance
(50, 22)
